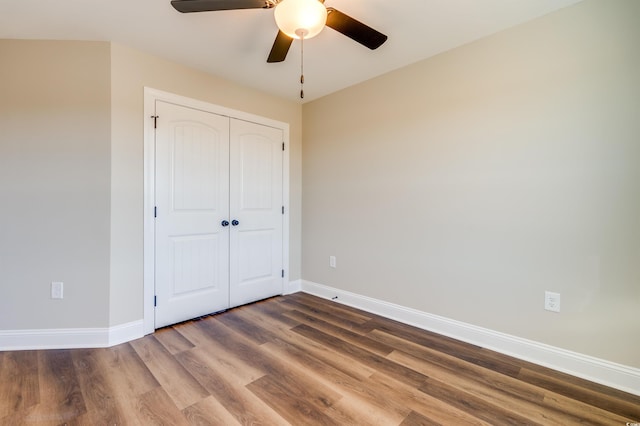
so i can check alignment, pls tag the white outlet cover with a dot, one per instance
(57, 290)
(552, 301)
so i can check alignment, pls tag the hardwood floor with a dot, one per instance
(296, 360)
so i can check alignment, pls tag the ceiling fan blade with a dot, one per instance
(186, 6)
(354, 29)
(280, 48)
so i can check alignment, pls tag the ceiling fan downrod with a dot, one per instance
(301, 33)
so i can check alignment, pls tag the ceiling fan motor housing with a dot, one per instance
(300, 18)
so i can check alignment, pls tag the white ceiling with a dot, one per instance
(235, 44)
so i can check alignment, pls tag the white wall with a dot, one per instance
(468, 184)
(54, 183)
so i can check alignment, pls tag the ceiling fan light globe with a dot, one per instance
(298, 18)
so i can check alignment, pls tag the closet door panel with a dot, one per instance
(192, 199)
(256, 201)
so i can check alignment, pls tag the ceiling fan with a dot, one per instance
(296, 19)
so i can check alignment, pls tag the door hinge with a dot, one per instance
(155, 121)
(155, 211)
(283, 146)
(155, 301)
(282, 209)
(283, 273)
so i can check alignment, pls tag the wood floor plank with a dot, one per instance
(363, 412)
(19, 387)
(135, 378)
(297, 411)
(579, 383)
(61, 398)
(482, 389)
(97, 391)
(81, 420)
(129, 378)
(242, 404)
(567, 380)
(195, 334)
(274, 308)
(318, 323)
(417, 419)
(536, 401)
(503, 383)
(363, 401)
(464, 351)
(587, 413)
(421, 402)
(370, 359)
(254, 332)
(234, 342)
(331, 315)
(329, 367)
(19, 418)
(627, 407)
(472, 404)
(300, 387)
(209, 412)
(320, 352)
(279, 374)
(205, 338)
(233, 367)
(265, 315)
(181, 387)
(157, 408)
(172, 340)
(335, 313)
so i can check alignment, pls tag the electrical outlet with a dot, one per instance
(552, 301)
(332, 261)
(57, 290)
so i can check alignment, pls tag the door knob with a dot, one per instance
(225, 223)
(235, 222)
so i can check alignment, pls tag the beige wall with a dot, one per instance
(131, 71)
(468, 184)
(54, 183)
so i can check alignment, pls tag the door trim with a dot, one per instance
(150, 97)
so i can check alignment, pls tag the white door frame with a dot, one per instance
(150, 97)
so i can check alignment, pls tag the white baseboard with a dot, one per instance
(293, 287)
(587, 367)
(125, 332)
(69, 338)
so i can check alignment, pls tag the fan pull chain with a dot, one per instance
(302, 66)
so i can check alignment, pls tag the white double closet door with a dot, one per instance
(219, 213)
